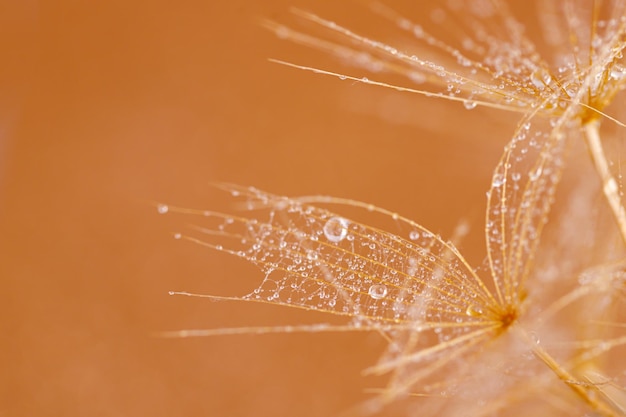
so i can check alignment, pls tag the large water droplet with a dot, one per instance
(377, 291)
(336, 229)
(414, 235)
(162, 208)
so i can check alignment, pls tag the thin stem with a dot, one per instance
(585, 392)
(609, 184)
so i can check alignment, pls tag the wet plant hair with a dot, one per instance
(508, 339)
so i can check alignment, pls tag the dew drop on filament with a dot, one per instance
(162, 208)
(469, 105)
(474, 311)
(377, 291)
(498, 180)
(534, 175)
(540, 78)
(336, 229)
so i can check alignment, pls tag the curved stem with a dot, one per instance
(609, 184)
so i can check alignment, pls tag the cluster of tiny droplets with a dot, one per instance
(319, 260)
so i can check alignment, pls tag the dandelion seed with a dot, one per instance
(396, 286)
(441, 319)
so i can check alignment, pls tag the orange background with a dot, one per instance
(107, 105)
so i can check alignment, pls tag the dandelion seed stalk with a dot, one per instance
(610, 187)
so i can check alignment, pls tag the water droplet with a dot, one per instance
(377, 291)
(534, 175)
(498, 180)
(540, 78)
(336, 229)
(474, 311)
(162, 208)
(414, 235)
(312, 255)
(469, 105)
(177, 236)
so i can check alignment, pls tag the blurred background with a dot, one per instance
(107, 106)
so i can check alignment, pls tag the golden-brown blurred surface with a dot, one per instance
(105, 106)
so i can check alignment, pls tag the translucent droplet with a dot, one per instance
(336, 229)
(498, 180)
(474, 311)
(534, 175)
(177, 236)
(469, 105)
(540, 78)
(312, 255)
(377, 291)
(162, 208)
(414, 235)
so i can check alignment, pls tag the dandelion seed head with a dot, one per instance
(438, 315)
